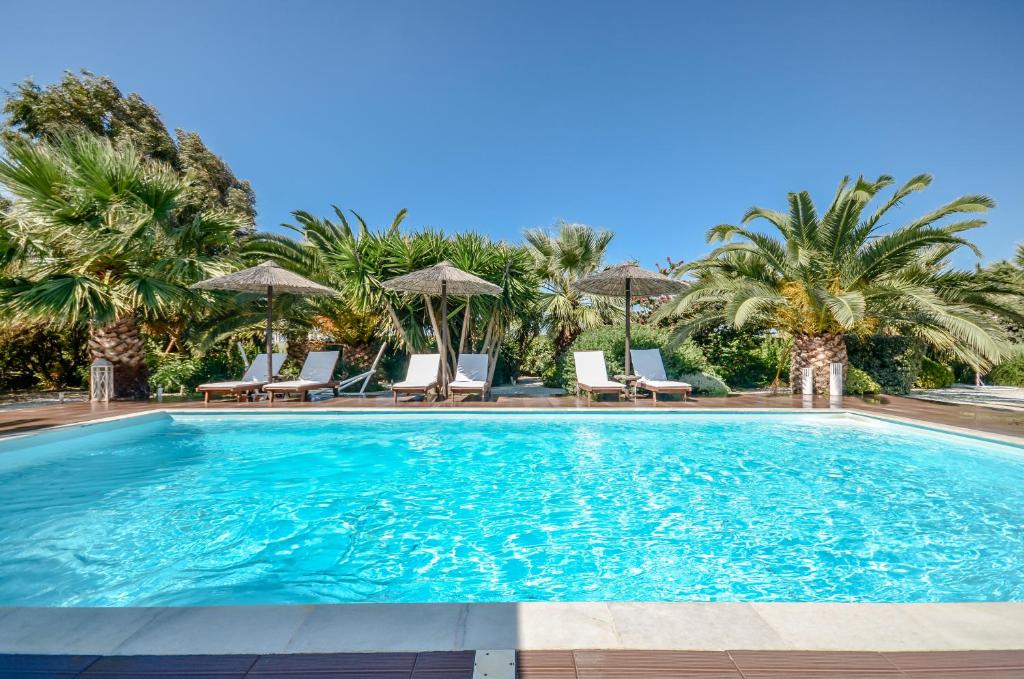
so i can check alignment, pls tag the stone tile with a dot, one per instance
(849, 627)
(217, 629)
(697, 626)
(540, 626)
(96, 631)
(970, 626)
(379, 627)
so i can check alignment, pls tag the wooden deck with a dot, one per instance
(979, 418)
(532, 665)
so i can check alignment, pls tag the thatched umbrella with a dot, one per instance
(628, 280)
(442, 280)
(266, 278)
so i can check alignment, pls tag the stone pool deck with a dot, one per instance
(636, 639)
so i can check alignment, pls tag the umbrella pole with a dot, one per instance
(629, 297)
(443, 322)
(270, 333)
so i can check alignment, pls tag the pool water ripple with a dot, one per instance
(223, 509)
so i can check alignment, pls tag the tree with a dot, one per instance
(820, 277)
(93, 104)
(562, 257)
(350, 257)
(95, 236)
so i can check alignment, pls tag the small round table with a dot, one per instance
(630, 382)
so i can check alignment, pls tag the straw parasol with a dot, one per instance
(441, 280)
(266, 279)
(628, 280)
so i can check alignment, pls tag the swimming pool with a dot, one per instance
(208, 509)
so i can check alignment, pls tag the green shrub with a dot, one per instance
(1009, 373)
(188, 369)
(539, 361)
(744, 359)
(891, 360)
(859, 382)
(933, 375)
(704, 383)
(611, 339)
(37, 356)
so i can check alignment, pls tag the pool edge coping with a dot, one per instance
(977, 434)
(369, 628)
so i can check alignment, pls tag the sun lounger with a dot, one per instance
(471, 375)
(254, 379)
(648, 365)
(592, 374)
(317, 373)
(421, 376)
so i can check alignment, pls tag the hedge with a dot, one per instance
(743, 358)
(933, 375)
(859, 382)
(1009, 373)
(891, 360)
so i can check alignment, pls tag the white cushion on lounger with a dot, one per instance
(318, 367)
(422, 371)
(213, 386)
(648, 365)
(471, 372)
(666, 384)
(591, 370)
(295, 384)
(255, 374)
(469, 384)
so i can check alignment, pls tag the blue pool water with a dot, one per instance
(247, 509)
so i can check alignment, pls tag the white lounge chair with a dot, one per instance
(421, 376)
(648, 365)
(317, 373)
(592, 374)
(471, 375)
(254, 379)
(365, 377)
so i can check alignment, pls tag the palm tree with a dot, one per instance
(348, 256)
(820, 277)
(93, 237)
(561, 258)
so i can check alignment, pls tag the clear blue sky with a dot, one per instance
(655, 120)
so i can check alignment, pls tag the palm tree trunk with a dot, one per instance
(121, 344)
(817, 352)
